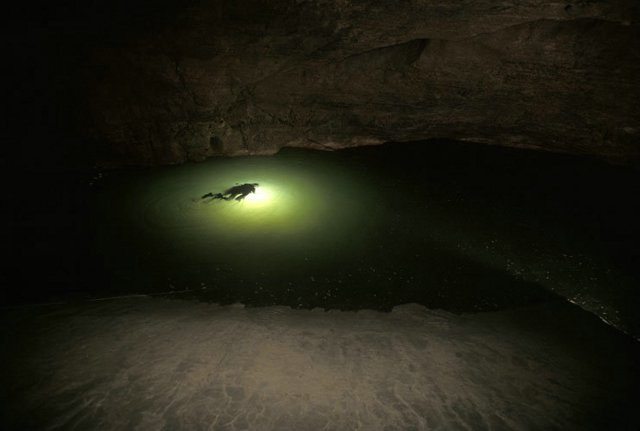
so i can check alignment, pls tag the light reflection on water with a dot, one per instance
(298, 207)
(307, 221)
(349, 230)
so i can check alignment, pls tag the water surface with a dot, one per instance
(448, 225)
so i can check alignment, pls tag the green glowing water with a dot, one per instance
(327, 230)
(459, 227)
(292, 207)
(307, 219)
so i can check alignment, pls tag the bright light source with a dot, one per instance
(292, 206)
(260, 197)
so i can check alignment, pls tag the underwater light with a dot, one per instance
(285, 204)
(259, 197)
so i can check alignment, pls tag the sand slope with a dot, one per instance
(153, 364)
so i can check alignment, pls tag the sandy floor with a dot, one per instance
(152, 364)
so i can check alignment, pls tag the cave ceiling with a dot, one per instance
(206, 78)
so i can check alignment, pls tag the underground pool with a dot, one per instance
(447, 225)
(434, 285)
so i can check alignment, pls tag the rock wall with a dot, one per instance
(252, 76)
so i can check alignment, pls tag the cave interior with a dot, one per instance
(438, 227)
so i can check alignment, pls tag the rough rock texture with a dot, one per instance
(253, 76)
(148, 364)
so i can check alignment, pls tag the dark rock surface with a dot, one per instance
(250, 77)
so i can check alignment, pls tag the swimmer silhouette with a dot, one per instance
(238, 192)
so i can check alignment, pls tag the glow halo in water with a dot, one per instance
(299, 206)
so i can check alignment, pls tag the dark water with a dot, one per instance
(448, 225)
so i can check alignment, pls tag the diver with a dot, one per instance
(237, 192)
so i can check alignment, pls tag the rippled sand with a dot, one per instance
(145, 363)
